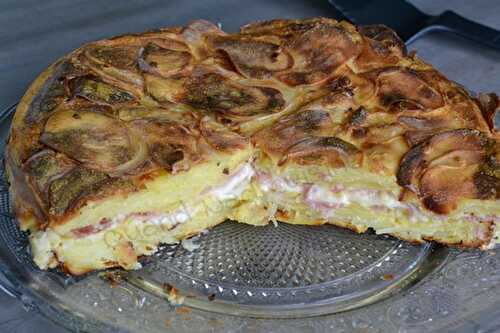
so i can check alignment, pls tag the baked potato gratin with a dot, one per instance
(151, 138)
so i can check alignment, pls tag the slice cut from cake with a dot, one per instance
(139, 140)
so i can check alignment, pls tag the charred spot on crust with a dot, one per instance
(54, 92)
(64, 192)
(331, 150)
(283, 27)
(310, 120)
(210, 91)
(492, 165)
(92, 138)
(76, 187)
(213, 92)
(490, 108)
(172, 144)
(166, 155)
(220, 137)
(114, 64)
(421, 123)
(43, 167)
(341, 83)
(323, 49)
(97, 91)
(409, 166)
(488, 187)
(50, 96)
(357, 117)
(122, 57)
(434, 204)
(274, 98)
(163, 61)
(306, 121)
(402, 88)
(449, 166)
(385, 35)
(253, 57)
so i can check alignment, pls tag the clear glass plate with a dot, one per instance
(241, 278)
(284, 271)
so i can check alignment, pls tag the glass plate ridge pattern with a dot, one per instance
(264, 273)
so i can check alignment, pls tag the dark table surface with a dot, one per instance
(35, 33)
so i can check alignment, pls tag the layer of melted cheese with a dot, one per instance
(382, 210)
(123, 228)
(254, 191)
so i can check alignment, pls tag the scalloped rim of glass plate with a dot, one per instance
(41, 300)
(27, 289)
(430, 258)
(31, 293)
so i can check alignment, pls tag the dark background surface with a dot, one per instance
(33, 34)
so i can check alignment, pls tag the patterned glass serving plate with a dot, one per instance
(239, 278)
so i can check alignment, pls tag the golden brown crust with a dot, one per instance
(450, 166)
(490, 107)
(480, 242)
(115, 113)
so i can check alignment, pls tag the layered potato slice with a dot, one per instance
(145, 139)
(116, 185)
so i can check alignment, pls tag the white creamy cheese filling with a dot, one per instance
(44, 242)
(42, 249)
(327, 200)
(237, 184)
(340, 198)
(319, 198)
(231, 188)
